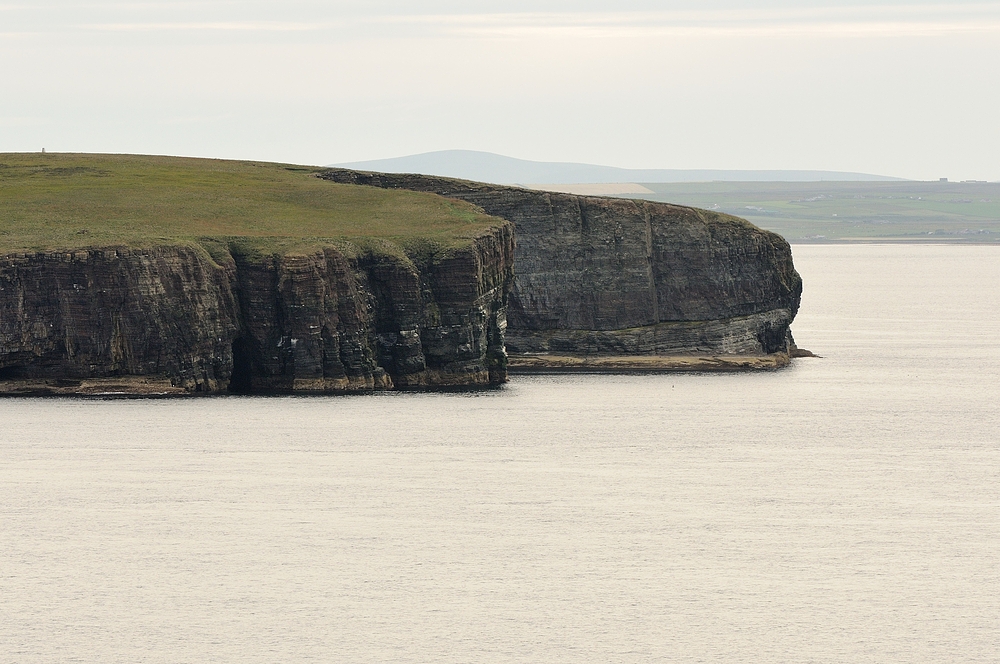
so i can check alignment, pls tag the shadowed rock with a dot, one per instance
(328, 320)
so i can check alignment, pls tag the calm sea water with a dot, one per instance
(844, 510)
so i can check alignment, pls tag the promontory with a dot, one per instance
(161, 275)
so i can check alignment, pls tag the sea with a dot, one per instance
(845, 509)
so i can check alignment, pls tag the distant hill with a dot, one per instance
(498, 169)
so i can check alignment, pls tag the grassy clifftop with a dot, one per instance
(66, 201)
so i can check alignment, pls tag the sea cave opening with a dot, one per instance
(241, 380)
(14, 372)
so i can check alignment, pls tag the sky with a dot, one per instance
(910, 89)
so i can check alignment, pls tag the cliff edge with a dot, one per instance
(601, 278)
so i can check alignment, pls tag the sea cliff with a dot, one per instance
(615, 278)
(186, 318)
(156, 275)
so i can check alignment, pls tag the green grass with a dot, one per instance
(75, 201)
(852, 211)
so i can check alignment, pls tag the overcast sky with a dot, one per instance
(896, 88)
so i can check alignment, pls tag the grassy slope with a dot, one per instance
(66, 201)
(852, 211)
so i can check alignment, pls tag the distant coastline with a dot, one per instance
(852, 212)
(803, 206)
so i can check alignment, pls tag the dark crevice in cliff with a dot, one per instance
(653, 296)
(14, 372)
(241, 380)
(774, 338)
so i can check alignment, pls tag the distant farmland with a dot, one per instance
(818, 212)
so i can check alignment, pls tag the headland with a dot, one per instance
(124, 274)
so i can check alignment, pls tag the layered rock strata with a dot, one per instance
(193, 318)
(616, 277)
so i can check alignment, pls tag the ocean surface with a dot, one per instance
(846, 509)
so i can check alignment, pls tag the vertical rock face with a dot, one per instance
(327, 322)
(117, 312)
(333, 320)
(616, 276)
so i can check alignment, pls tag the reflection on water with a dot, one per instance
(846, 509)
